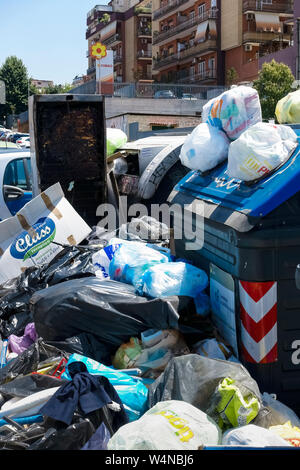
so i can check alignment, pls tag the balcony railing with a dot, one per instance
(118, 58)
(259, 5)
(209, 74)
(144, 32)
(258, 37)
(112, 40)
(144, 54)
(185, 25)
(209, 44)
(171, 5)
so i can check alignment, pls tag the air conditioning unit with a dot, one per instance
(250, 17)
(248, 47)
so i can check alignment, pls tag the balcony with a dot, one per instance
(144, 55)
(257, 5)
(112, 40)
(254, 37)
(184, 26)
(171, 5)
(144, 32)
(192, 51)
(118, 59)
(206, 75)
(143, 11)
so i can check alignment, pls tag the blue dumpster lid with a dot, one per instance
(256, 199)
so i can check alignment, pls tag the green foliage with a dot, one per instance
(105, 18)
(274, 82)
(231, 76)
(57, 89)
(14, 74)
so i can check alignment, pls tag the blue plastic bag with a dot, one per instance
(131, 260)
(165, 280)
(132, 392)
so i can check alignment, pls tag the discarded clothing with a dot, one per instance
(85, 392)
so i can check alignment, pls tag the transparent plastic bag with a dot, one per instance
(233, 111)
(169, 425)
(131, 260)
(178, 278)
(288, 109)
(259, 150)
(204, 148)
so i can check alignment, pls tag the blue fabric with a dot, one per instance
(84, 392)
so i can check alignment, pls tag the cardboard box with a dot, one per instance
(28, 239)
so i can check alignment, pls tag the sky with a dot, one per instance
(47, 35)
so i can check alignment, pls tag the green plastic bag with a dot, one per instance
(288, 109)
(232, 407)
(115, 139)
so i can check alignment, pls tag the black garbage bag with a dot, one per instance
(109, 310)
(31, 360)
(70, 263)
(24, 386)
(73, 437)
(84, 344)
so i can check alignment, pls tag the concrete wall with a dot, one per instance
(231, 25)
(165, 107)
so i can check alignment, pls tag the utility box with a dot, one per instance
(249, 246)
(68, 145)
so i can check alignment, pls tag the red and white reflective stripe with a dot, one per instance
(258, 310)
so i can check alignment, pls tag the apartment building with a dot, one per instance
(186, 42)
(251, 30)
(125, 27)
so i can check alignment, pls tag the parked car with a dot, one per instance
(24, 142)
(164, 94)
(188, 96)
(4, 146)
(16, 135)
(16, 182)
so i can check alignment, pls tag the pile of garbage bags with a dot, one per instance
(110, 346)
(232, 130)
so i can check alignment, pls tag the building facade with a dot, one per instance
(251, 31)
(186, 42)
(125, 27)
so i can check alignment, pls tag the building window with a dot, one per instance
(201, 68)
(192, 15)
(201, 10)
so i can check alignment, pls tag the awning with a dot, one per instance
(108, 31)
(268, 22)
(201, 32)
(212, 28)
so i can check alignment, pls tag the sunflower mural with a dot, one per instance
(98, 50)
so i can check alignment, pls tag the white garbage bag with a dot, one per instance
(233, 111)
(204, 148)
(169, 425)
(259, 150)
(252, 436)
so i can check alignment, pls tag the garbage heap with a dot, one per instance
(110, 345)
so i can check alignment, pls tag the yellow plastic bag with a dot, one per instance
(288, 109)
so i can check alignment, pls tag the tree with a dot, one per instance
(57, 89)
(14, 74)
(274, 82)
(231, 76)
